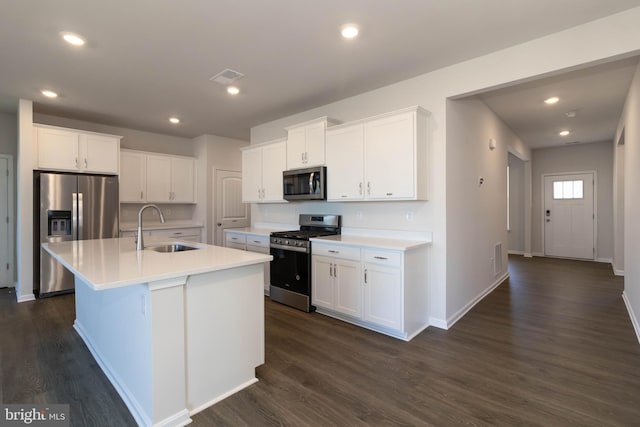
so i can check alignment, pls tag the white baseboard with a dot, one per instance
(460, 313)
(222, 396)
(605, 260)
(528, 255)
(537, 254)
(510, 252)
(632, 315)
(438, 323)
(617, 272)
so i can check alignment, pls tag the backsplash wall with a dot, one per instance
(171, 212)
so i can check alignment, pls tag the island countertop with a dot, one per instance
(113, 263)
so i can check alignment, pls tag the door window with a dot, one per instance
(563, 190)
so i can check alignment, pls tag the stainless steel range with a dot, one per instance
(291, 265)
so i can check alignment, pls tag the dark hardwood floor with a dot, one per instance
(551, 346)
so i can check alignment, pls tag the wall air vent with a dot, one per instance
(497, 259)
(226, 77)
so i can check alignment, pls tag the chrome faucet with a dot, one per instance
(139, 238)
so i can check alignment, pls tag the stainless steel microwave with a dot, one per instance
(305, 184)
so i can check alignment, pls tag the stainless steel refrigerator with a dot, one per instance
(69, 207)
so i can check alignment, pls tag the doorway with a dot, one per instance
(569, 217)
(6, 220)
(229, 210)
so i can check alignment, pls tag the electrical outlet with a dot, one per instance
(409, 216)
(359, 215)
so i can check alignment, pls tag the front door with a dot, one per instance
(569, 219)
(229, 210)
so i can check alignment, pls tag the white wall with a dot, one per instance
(630, 122)
(607, 38)
(24, 225)
(516, 205)
(577, 158)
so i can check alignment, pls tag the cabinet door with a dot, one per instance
(322, 283)
(183, 181)
(57, 149)
(390, 157)
(315, 144)
(296, 148)
(274, 159)
(345, 163)
(99, 153)
(252, 175)
(383, 296)
(158, 179)
(132, 177)
(348, 287)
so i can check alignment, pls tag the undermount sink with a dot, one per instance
(172, 247)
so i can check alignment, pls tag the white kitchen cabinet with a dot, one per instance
(262, 168)
(306, 143)
(133, 176)
(356, 280)
(380, 158)
(336, 283)
(157, 178)
(170, 179)
(383, 291)
(345, 163)
(253, 243)
(75, 151)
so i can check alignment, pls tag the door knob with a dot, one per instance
(219, 224)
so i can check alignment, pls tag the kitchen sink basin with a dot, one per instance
(172, 247)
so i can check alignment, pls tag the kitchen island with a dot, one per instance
(174, 332)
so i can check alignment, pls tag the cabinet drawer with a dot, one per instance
(391, 259)
(176, 233)
(258, 249)
(236, 238)
(336, 251)
(257, 240)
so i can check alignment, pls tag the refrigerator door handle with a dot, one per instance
(74, 216)
(80, 216)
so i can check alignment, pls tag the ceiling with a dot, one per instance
(596, 96)
(147, 60)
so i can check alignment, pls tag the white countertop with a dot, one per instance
(113, 263)
(152, 225)
(373, 242)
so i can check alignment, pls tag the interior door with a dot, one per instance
(569, 220)
(229, 210)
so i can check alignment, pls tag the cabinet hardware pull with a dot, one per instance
(365, 275)
(76, 162)
(335, 270)
(330, 270)
(141, 195)
(389, 194)
(86, 164)
(360, 188)
(380, 257)
(234, 238)
(256, 241)
(369, 187)
(333, 252)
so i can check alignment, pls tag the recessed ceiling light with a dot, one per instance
(174, 120)
(551, 100)
(73, 39)
(349, 31)
(49, 94)
(564, 133)
(570, 114)
(232, 90)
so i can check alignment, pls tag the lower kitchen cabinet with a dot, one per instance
(336, 285)
(178, 234)
(253, 243)
(380, 289)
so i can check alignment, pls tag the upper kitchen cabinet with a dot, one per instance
(306, 143)
(380, 158)
(158, 178)
(262, 168)
(75, 151)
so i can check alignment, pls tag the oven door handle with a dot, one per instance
(289, 248)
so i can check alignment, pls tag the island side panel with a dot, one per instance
(116, 326)
(225, 333)
(168, 347)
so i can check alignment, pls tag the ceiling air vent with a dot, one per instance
(226, 77)
(571, 142)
